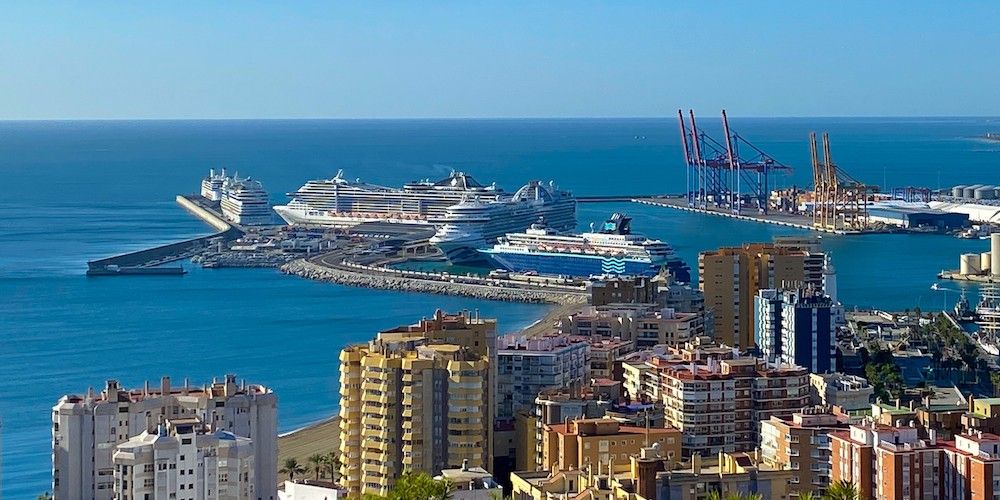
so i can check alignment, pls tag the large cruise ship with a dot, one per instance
(341, 202)
(477, 223)
(244, 201)
(614, 249)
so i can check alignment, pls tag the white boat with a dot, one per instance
(340, 202)
(211, 185)
(477, 223)
(613, 249)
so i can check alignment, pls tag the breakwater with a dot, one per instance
(415, 281)
(138, 261)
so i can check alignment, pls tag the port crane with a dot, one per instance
(730, 174)
(840, 202)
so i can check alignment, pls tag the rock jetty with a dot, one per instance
(388, 281)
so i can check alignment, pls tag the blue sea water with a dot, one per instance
(73, 191)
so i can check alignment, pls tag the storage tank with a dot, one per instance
(985, 193)
(968, 264)
(958, 191)
(985, 262)
(970, 191)
(995, 254)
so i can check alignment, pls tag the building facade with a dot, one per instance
(796, 326)
(410, 405)
(184, 460)
(86, 429)
(731, 277)
(851, 393)
(580, 443)
(801, 443)
(716, 396)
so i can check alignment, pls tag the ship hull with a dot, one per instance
(294, 216)
(580, 265)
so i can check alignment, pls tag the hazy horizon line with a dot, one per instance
(491, 118)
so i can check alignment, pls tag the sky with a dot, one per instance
(474, 59)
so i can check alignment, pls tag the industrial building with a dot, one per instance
(914, 215)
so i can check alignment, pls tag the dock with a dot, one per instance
(779, 219)
(150, 261)
(955, 275)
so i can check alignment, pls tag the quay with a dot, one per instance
(955, 275)
(783, 219)
(150, 260)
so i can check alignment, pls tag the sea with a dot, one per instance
(80, 190)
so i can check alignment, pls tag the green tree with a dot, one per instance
(842, 490)
(419, 485)
(292, 467)
(808, 495)
(316, 464)
(45, 496)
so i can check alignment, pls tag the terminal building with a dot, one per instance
(916, 215)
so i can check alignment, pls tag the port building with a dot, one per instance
(87, 430)
(916, 215)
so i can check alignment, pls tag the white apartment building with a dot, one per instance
(526, 366)
(184, 460)
(86, 429)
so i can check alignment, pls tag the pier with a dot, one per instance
(150, 260)
(780, 219)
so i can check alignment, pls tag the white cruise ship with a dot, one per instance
(211, 186)
(476, 223)
(340, 202)
(244, 201)
(614, 249)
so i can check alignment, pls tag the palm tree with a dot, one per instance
(808, 495)
(842, 490)
(316, 461)
(333, 463)
(292, 467)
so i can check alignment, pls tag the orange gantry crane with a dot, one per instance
(840, 202)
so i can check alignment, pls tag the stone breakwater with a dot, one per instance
(372, 279)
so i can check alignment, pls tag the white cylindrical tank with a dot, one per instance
(995, 254)
(958, 191)
(985, 193)
(985, 262)
(968, 264)
(970, 191)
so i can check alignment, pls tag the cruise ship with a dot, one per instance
(614, 249)
(211, 186)
(477, 223)
(341, 202)
(244, 201)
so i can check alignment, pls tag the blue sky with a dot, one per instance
(496, 59)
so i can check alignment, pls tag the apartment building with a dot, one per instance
(716, 396)
(983, 415)
(646, 324)
(603, 354)
(527, 366)
(851, 393)
(579, 443)
(86, 429)
(624, 290)
(410, 404)
(886, 462)
(801, 443)
(972, 467)
(185, 460)
(730, 473)
(796, 326)
(731, 277)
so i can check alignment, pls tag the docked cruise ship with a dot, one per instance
(244, 201)
(614, 249)
(477, 223)
(341, 202)
(211, 186)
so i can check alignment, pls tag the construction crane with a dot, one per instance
(718, 175)
(840, 202)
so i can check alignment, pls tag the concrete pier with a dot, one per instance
(146, 262)
(787, 220)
